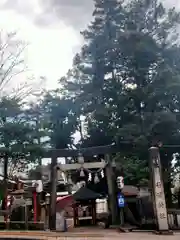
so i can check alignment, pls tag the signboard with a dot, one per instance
(120, 200)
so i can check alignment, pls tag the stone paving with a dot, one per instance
(93, 234)
(116, 235)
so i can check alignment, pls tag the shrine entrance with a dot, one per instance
(82, 169)
(160, 209)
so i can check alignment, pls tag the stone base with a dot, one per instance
(123, 230)
(163, 232)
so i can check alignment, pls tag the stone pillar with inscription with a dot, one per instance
(160, 210)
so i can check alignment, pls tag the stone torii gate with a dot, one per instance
(160, 210)
(92, 151)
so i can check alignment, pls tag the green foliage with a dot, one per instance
(16, 136)
(60, 119)
(135, 170)
(126, 80)
(27, 131)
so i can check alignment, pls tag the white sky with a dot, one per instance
(50, 50)
(52, 47)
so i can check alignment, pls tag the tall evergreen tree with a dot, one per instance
(126, 77)
(60, 119)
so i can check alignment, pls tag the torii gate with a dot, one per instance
(160, 209)
(101, 150)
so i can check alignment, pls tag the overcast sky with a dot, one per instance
(52, 29)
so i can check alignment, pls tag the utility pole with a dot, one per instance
(159, 203)
(53, 196)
